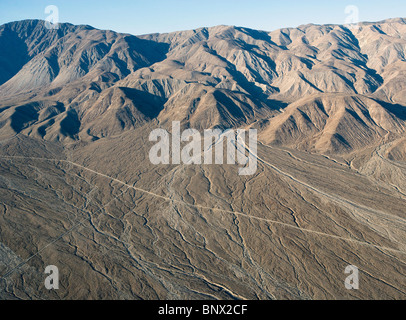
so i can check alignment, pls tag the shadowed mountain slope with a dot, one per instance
(343, 85)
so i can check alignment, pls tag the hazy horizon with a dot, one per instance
(140, 17)
(209, 26)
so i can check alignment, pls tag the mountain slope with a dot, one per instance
(57, 57)
(222, 76)
(335, 123)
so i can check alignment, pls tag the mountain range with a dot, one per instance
(302, 87)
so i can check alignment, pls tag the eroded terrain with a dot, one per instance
(118, 227)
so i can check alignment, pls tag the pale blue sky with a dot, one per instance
(141, 16)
